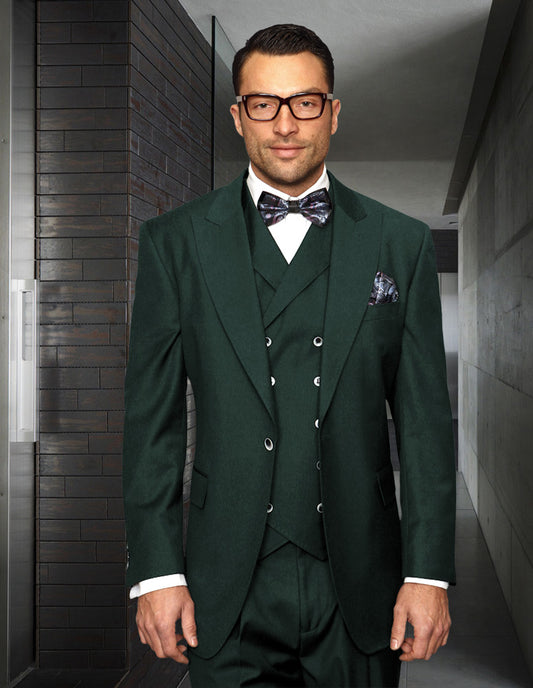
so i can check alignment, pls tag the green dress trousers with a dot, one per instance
(290, 633)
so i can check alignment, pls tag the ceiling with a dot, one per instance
(404, 74)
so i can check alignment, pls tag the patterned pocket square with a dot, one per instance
(383, 291)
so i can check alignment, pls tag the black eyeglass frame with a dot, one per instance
(285, 101)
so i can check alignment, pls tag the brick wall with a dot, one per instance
(169, 123)
(122, 134)
(170, 163)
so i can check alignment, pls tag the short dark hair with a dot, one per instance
(284, 39)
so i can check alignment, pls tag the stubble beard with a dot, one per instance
(290, 176)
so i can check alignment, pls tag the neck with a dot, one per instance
(291, 188)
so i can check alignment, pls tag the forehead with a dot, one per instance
(283, 74)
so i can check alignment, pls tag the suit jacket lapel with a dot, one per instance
(354, 257)
(224, 254)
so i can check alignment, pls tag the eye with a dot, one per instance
(308, 102)
(261, 104)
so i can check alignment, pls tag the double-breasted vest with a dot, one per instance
(292, 298)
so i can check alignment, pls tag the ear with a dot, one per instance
(236, 114)
(335, 109)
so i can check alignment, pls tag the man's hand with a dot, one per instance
(426, 609)
(157, 613)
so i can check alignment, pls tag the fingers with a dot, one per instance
(162, 638)
(398, 627)
(419, 648)
(157, 614)
(440, 630)
(426, 608)
(428, 639)
(188, 624)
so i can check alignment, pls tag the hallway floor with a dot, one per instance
(483, 650)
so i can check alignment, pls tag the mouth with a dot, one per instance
(286, 152)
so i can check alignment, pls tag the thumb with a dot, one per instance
(398, 629)
(188, 625)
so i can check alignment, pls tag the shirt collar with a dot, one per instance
(256, 186)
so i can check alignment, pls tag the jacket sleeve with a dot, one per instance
(155, 425)
(423, 421)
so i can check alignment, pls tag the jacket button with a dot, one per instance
(316, 381)
(318, 465)
(269, 445)
(268, 341)
(318, 341)
(270, 509)
(317, 423)
(320, 508)
(272, 381)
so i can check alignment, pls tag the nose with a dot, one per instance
(285, 124)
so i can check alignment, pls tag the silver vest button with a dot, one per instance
(269, 445)
(268, 341)
(318, 341)
(320, 508)
(318, 465)
(316, 381)
(272, 381)
(270, 509)
(317, 423)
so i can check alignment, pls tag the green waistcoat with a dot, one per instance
(292, 299)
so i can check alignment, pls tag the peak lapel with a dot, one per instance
(224, 254)
(354, 256)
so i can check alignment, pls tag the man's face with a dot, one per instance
(286, 153)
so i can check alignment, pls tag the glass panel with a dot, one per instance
(228, 151)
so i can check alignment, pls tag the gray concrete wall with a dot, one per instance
(496, 325)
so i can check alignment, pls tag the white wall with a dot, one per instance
(450, 329)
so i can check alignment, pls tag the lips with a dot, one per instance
(286, 151)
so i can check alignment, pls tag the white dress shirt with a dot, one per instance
(288, 235)
(290, 232)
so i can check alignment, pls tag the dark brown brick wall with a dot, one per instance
(169, 124)
(123, 122)
(82, 183)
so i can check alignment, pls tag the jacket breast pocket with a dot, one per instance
(382, 311)
(198, 488)
(386, 485)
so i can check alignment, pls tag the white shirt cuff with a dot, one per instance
(158, 583)
(176, 579)
(427, 581)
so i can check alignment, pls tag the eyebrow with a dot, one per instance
(296, 93)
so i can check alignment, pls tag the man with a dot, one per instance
(295, 324)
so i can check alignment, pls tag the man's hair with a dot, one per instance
(284, 39)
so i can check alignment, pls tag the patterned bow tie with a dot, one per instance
(316, 207)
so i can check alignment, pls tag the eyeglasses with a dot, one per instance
(264, 107)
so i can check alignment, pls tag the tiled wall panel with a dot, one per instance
(123, 126)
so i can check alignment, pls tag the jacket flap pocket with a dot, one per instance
(386, 485)
(198, 488)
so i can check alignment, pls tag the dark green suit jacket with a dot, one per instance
(197, 314)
